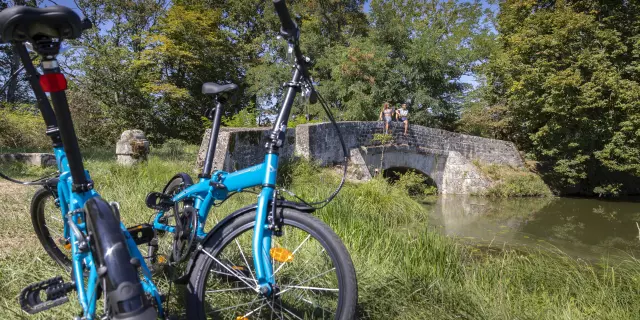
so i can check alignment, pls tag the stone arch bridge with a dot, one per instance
(447, 157)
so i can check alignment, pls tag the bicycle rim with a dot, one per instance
(50, 228)
(305, 270)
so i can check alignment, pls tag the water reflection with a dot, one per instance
(587, 228)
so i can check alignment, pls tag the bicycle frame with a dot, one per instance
(204, 195)
(72, 201)
(217, 186)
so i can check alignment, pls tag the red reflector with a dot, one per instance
(53, 82)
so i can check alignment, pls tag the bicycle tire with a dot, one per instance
(166, 244)
(39, 215)
(345, 272)
(125, 296)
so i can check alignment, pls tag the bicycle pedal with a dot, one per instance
(142, 233)
(158, 201)
(55, 290)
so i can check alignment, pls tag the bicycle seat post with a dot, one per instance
(54, 82)
(215, 115)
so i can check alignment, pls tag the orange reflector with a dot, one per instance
(162, 259)
(67, 246)
(242, 318)
(281, 254)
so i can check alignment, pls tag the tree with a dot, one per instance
(106, 70)
(185, 50)
(568, 74)
(16, 86)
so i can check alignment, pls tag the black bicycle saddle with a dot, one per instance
(22, 23)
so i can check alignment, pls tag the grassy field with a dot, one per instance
(405, 270)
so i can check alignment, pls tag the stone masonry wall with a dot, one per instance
(320, 142)
(445, 156)
(239, 148)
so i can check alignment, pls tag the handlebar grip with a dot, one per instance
(86, 24)
(288, 25)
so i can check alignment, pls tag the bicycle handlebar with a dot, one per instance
(288, 26)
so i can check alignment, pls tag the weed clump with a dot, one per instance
(513, 182)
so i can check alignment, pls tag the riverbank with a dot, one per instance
(405, 269)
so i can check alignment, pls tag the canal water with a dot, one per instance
(583, 228)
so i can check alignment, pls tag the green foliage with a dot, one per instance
(513, 182)
(415, 184)
(414, 52)
(144, 65)
(22, 129)
(244, 118)
(382, 138)
(566, 81)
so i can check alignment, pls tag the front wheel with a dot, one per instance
(314, 274)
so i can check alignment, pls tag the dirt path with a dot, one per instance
(16, 231)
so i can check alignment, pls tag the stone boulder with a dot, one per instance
(132, 147)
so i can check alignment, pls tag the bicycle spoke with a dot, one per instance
(254, 310)
(294, 252)
(303, 282)
(299, 297)
(226, 290)
(273, 311)
(290, 312)
(311, 288)
(245, 261)
(228, 269)
(55, 233)
(232, 307)
(234, 275)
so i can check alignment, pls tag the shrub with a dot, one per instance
(415, 184)
(173, 148)
(513, 182)
(21, 129)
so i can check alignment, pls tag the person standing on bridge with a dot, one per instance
(387, 112)
(403, 113)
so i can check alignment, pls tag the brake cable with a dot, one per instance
(321, 204)
(37, 182)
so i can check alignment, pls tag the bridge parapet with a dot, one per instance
(445, 156)
(320, 142)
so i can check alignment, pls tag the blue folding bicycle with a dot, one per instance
(271, 260)
(100, 252)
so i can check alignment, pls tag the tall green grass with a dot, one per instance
(513, 182)
(405, 269)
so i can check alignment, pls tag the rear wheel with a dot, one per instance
(173, 248)
(315, 278)
(48, 225)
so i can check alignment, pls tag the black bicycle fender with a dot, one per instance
(186, 178)
(126, 294)
(102, 220)
(246, 210)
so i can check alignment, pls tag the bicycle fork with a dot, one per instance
(261, 242)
